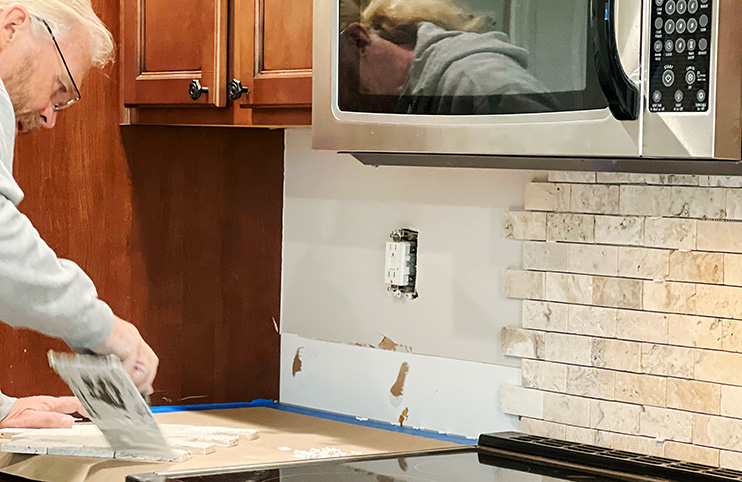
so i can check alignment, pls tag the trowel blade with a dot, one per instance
(113, 403)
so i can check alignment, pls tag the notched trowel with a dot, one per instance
(113, 403)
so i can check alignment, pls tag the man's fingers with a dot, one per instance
(143, 381)
(65, 405)
(38, 419)
(130, 365)
(145, 369)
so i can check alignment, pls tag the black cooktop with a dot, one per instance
(459, 466)
(503, 457)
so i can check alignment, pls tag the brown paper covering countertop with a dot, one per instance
(277, 429)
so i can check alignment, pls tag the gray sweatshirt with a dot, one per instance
(470, 73)
(37, 289)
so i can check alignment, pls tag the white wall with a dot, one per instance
(338, 215)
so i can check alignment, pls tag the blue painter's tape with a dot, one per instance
(213, 406)
(320, 414)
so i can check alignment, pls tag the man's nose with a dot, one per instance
(48, 116)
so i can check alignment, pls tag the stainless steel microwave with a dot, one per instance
(573, 79)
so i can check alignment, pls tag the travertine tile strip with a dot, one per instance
(631, 331)
(85, 440)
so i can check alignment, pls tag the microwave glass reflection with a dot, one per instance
(465, 57)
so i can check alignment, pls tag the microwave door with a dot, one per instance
(535, 78)
(624, 98)
(693, 80)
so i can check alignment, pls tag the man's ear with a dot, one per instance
(358, 35)
(13, 19)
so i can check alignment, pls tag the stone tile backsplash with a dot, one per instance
(631, 335)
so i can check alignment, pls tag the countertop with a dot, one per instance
(281, 433)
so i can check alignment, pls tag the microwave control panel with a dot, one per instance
(680, 64)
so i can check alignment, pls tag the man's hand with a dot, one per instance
(43, 412)
(137, 357)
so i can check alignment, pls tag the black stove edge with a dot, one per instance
(553, 469)
(605, 458)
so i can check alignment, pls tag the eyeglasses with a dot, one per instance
(61, 104)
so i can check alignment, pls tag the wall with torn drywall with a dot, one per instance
(338, 215)
(439, 394)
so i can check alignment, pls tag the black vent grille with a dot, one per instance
(605, 458)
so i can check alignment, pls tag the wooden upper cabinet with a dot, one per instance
(273, 52)
(264, 46)
(168, 46)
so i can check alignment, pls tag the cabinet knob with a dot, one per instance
(195, 90)
(235, 90)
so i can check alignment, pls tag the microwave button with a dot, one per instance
(658, 46)
(669, 45)
(704, 20)
(690, 77)
(692, 44)
(670, 7)
(670, 26)
(659, 3)
(658, 23)
(701, 95)
(680, 26)
(680, 45)
(657, 96)
(678, 96)
(682, 7)
(668, 78)
(692, 25)
(693, 6)
(703, 44)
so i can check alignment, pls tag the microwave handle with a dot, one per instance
(621, 93)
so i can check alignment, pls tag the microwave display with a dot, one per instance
(681, 62)
(466, 57)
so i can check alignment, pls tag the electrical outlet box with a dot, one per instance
(400, 268)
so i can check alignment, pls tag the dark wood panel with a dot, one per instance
(211, 255)
(179, 227)
(252, 243)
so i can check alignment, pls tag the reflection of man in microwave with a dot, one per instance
(424, 69)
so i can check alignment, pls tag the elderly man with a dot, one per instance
(44, 45)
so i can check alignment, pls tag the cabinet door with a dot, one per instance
(273, 53)
(167, 45)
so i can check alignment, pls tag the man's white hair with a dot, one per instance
(68, 16)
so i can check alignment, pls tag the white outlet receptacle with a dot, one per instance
(397, 266)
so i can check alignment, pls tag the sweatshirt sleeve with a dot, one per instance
(44, 293)
(6, 405)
